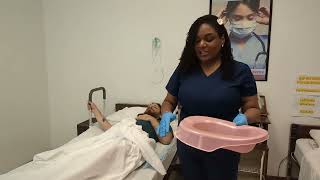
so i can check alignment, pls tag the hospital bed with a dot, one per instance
(300, 144)
(167, 153)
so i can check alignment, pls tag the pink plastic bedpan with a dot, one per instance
(209, 134)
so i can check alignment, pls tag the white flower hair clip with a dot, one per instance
(220, 21)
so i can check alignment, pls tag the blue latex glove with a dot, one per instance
(240, 120)
(163, 128)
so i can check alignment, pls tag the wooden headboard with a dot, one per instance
(120, 106)
(299, 131)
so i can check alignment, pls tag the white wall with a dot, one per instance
(294, 50)
(24, 118)
(108, 43)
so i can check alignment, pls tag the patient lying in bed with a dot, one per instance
(149, 120)
(110, 155)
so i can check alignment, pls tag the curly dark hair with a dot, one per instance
(252, 4)
(189, 60)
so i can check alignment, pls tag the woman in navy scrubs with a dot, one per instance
(208, 82)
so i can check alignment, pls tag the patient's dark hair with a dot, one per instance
(158, 105)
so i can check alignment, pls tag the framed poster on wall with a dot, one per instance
(249, 26)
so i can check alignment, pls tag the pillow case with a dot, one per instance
(126, 112)
(315, 134)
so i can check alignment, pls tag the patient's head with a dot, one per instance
(154, 109)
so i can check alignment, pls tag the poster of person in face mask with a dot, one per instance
(248, 24)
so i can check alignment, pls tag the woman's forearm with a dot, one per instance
(253, 115)
(251, 108)
(167, 107)
(167, 138)
(169, 103)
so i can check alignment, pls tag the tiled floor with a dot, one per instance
(176, 176)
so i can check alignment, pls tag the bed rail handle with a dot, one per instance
(104, 101)
(97, 89)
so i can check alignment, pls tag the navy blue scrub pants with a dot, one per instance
(217, 165)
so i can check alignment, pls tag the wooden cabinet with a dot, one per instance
(255, 163)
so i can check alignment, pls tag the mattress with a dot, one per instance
(304, 146)
(165, 152)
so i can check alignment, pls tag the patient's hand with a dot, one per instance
(94, 109)
(145, 117)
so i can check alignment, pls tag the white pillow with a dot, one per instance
(131, 112)
(315, 134)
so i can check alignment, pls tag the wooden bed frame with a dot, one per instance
(297, 131)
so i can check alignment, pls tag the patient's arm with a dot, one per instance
(101, 120)
(155, 123)
(104, 124)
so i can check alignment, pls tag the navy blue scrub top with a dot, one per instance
(212, 96)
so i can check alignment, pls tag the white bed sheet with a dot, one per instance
(303, 146)
(310, 166)
(165, 152)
